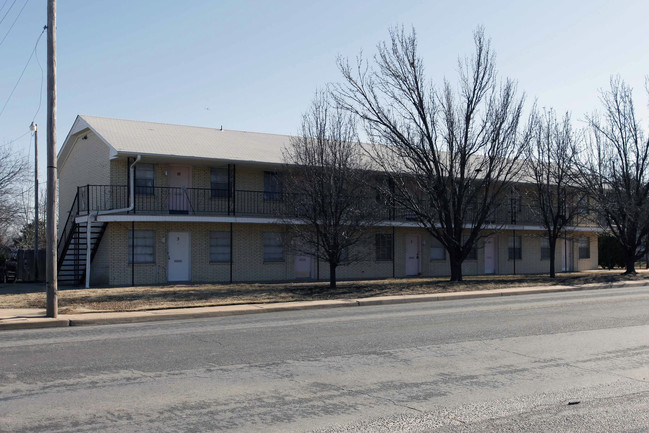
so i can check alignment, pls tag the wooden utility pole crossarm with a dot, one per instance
(51, 265)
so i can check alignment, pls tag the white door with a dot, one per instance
(491, 255)
(178, 180)
(567, 265)
(178, 251)
(303, 265)
(412, 255)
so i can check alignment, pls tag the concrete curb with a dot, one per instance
(89, 319)
(32, 323)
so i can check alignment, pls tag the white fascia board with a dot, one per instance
(256, 220)
(180, 218)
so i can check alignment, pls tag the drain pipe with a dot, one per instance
(92, 217)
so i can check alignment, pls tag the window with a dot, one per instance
(584, 248)
(545, 249)
(220, 247)
(344, 255)
(473, 254)
(144, 179)
(583, 205)
(514, 250)
(272, 185)
(437, 250)
(219, 182)
(143, 248)
(515, 206)
(273, 247)
(383, 246)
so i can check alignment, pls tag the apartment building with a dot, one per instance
(151, 203)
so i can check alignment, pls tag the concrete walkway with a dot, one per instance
(32, 318)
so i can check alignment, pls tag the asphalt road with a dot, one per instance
(495, 364)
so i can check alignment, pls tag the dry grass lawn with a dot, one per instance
(195, 295)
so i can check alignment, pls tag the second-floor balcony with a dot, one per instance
(240, 203)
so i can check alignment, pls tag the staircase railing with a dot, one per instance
(68, 230)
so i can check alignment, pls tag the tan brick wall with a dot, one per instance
(248, 263)
(100, 265)
(87, 164)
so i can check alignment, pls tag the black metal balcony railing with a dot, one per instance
(207, 201)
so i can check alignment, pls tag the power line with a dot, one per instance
(14, 23)
(22, 73)
(15, 139)
(8, 10)
(4, 4)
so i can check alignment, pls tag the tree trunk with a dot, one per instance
(629, 263)
(553, 249)
(332, 275)
(456, 267)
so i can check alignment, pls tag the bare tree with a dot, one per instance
(616, 172)
(551, 160)
(450, 154)
(13, 170)
(328, 209)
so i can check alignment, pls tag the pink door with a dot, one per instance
(179, 180)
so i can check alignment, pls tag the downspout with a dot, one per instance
(93, 217)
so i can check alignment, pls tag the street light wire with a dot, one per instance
(14, 23)
(22, 73)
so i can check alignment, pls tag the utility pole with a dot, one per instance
(51, 265)
(34, 128)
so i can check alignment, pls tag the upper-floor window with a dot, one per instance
(144, 178)
(515, 205)
(219, 182)
(272, 185)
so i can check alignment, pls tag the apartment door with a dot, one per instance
(412, 255)
(178, 252)
(179, 180)
(568, 255)
(303, 265)
(491, 255)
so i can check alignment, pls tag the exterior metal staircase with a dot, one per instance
(72, 247)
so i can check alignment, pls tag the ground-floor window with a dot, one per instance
(515, 251)
(473, 254)
(545, 249)
(437, 250)
(344, 255)
(383, 244)
(220, 247)
(584, 248)
(141, 247)
(273, 247)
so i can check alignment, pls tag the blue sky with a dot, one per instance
(254, 66)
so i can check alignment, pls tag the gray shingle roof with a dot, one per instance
(149, 138)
